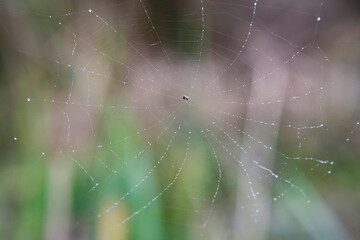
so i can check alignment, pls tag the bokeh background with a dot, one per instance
(67, 104)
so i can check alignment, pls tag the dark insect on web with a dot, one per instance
(186, 98)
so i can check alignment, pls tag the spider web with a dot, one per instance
(113, 119)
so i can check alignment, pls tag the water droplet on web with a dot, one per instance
(28, 99)
(15, 138)
(348, 139)
(319, 19)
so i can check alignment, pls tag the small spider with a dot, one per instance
(186, 98)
